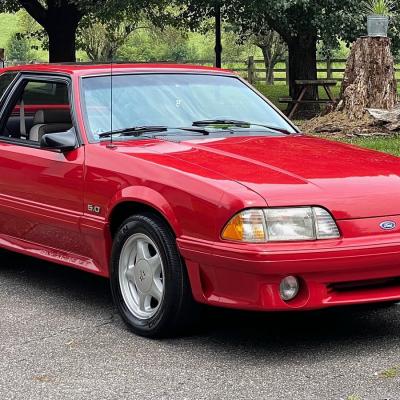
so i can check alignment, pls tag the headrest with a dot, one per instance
(52, 117)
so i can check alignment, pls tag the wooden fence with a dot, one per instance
(327, 69)
(254, 70)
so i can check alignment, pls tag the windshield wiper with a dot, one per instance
(195, 129)
(141, 130)
(231, 122)
(239, 124)
(134, 131)
(275, 128)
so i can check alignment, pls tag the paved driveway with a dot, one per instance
(61, 339)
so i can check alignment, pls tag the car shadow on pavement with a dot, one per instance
(52, 278)
(350, 329)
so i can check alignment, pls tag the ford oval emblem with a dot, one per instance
(388, 225)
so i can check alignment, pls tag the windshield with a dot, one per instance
(172, 100)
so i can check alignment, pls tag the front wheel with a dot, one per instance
(149, 281)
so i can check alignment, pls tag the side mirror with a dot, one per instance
(63, 141)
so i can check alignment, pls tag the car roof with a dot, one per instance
(95, 69)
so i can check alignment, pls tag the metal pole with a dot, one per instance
(218, 40)
(2, 58)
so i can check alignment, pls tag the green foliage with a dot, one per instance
(379, 7)
(340, 52)
(171, 44)
(101, 40)
(390, 373)
(328, 20)
(60, 19)
(30, 31)
(8, 24)
(389, 145)
(353, 397)
(18, 49)
(154, 44)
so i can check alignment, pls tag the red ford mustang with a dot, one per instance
(184, 185)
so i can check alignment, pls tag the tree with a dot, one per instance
(370, 78)
(273, 49)
(60, 18)
(18, 49)
(32, 32)
(300, 23)
(101, 41)
(154, 44)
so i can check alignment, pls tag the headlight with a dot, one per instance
(281, 224)
(290, 224)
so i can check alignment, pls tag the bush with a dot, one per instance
(18, 49)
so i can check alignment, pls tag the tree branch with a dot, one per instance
(35, 10)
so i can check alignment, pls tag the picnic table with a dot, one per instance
(304, 85)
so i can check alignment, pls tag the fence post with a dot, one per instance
(329, 68)
(287, 72)
(250, 70)
(2, 58)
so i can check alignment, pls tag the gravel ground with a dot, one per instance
(60, 338)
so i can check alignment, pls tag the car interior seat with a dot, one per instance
(49, 121)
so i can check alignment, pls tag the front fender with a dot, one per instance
(149, 197)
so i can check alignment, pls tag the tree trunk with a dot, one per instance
(270, 74)
(62, 19)
(303, 66)
(269, 67)
(267, 58)
(62, 43)
(369, 80)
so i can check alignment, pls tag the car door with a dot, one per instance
(41, 191)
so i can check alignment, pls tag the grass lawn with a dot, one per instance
(389, 145)
(7, 28)
(386, 144)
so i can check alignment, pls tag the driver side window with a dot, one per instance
(42, 107)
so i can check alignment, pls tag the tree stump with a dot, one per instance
(369, 80)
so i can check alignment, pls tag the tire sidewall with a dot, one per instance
(161, 235)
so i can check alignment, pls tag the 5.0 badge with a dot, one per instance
(94, 209)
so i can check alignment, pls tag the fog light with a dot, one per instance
(289, 288)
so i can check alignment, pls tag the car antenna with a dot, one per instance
(111, 145)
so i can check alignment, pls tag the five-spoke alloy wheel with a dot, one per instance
(141, 275)
(149, 280)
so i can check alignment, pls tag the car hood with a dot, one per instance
(300, 170)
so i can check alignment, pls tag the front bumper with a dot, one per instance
(338, 272)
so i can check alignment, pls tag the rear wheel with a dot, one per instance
(149, 281)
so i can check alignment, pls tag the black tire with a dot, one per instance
(177, 311)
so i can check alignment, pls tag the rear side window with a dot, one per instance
(5, 81)
(45, 93)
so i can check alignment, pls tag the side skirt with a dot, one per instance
(50, 254)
